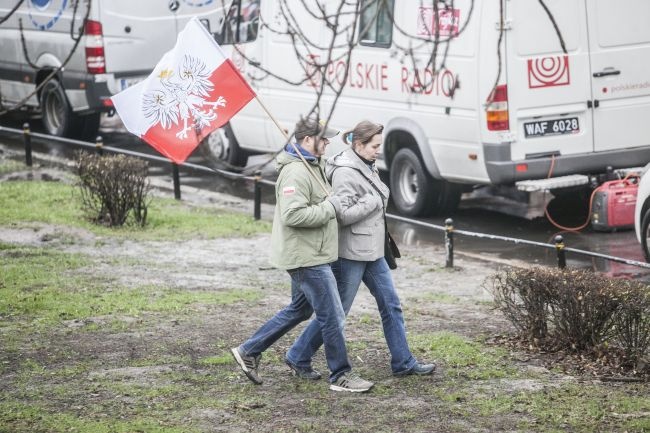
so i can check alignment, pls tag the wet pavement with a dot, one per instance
(478, 212)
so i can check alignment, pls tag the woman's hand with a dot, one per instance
(371, 199)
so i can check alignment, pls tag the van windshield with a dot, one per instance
(242, 22)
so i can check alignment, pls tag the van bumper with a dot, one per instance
(98, 89)
(86, 94)
(502, 170)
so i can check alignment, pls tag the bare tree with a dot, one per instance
(324, 58)
(322, 38)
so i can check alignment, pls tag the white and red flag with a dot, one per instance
(192, 91)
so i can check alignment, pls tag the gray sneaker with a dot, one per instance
(303, 372)
(248, 364)
(351, 382)
(418, 369)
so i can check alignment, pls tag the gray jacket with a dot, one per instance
(359, 208)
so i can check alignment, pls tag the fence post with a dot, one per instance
(27, 136)
(177, 181)
(99, 145)
(561, 254)
(449, 242)
(257, 207)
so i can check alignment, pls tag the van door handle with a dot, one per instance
(174, 5)
(606, 72)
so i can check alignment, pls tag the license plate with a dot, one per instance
(125, 83)
(543, 128)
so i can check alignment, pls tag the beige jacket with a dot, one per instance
(304, 224)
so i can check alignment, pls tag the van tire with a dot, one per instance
(88, 127)
(415, 192)
(58, 118)
(446, 197)
(221, 149)
(645, 234)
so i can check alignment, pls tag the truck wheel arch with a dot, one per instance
(417, 188)
(404, 132)
(42, 74)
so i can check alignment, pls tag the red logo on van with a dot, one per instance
(447, 22)
(548, 72)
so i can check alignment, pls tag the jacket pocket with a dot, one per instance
(361, 237)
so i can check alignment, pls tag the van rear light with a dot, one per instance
(95, 59)
(497, 109)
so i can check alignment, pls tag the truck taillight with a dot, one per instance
(497, 109)
(95, 60)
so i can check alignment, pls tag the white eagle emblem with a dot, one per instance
(183, 97)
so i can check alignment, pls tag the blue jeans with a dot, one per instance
(313, 289)
(377, 276)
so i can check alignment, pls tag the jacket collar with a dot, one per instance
(292, 151)
(348, 158)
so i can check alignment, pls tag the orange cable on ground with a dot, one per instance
(548, 215)
(572, 229)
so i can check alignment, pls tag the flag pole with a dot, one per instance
(286, 136)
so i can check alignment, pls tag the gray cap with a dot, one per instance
(310, 127)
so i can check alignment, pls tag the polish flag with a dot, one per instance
(192, 91)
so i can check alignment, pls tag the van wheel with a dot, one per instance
(58, 117)
(415, 192)
(221, 148)
(645, 235)
(446, 197)
(88, 127)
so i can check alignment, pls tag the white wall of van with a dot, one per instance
(552, 112)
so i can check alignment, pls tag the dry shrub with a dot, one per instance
(114, 188)
(632, 322)
(582, 306)
(574, 309)
(522, 297)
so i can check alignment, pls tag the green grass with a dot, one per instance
(463, 357)
(24, 417)
(224, 359)
(58, 203)
(571, 407)
(10, 166)
(38, 284)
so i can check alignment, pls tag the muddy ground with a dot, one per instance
(175, 368)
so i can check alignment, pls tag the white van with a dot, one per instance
(124, 39)
(551, 113)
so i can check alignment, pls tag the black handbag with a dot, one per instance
(391, 252)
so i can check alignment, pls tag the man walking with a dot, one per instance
(304, 241)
